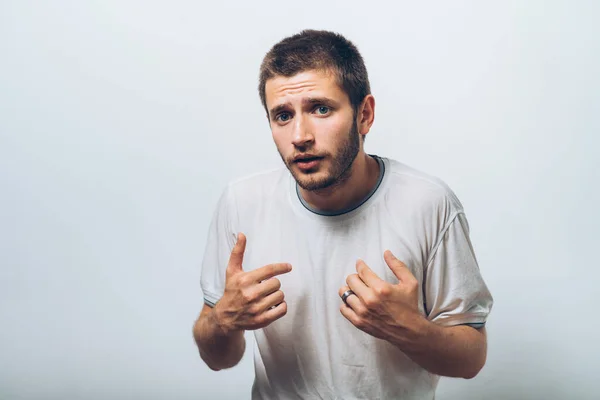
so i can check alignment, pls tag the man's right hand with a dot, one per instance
(251, 300)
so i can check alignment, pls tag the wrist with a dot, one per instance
(221, 324)
(416, 332)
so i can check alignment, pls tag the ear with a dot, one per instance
(366, 114)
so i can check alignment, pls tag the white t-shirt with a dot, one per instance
(313, 352)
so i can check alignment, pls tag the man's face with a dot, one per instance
(311, 116)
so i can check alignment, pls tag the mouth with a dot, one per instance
(307, 163)
(307, 159)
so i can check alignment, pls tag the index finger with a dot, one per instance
(370, 278)
(269, 271)
(398, 268)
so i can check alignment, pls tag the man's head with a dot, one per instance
(315, 89)
(318, 50)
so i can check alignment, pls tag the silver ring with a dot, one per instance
(346, 294)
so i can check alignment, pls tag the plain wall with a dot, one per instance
(122, 121)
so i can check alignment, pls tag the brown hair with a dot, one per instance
(317, 50)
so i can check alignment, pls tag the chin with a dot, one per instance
(313, 181)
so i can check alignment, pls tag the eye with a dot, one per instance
(323, 110)
(283, 117)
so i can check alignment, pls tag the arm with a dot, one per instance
(251, 300)
(390, 312)
(456, 351)
(453, 293)
(218, 348)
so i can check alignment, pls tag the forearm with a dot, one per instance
(457, 351)
(219, 349)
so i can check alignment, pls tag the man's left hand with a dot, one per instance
(379, 308)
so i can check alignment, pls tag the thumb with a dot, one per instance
(237, 255)
(398, 267)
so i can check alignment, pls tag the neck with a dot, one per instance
(349, 192)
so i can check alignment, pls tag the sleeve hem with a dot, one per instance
(472, 319)
(210, 299)
(476, 326)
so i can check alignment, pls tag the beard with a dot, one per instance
(339, 170)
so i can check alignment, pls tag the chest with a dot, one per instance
(323, 255)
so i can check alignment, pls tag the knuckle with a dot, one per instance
(260, 320)
(362, 312)
(248, 296)
(257, 308)
(413, 284)
(382, 291)
(243, 280)
(371, 302)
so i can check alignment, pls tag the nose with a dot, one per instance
(301, 133)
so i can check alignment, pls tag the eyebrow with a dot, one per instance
(278, 108)
(306, 101)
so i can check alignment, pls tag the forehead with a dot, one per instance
(313, 83)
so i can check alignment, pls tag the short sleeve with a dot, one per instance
(454, 290)
(221, 239)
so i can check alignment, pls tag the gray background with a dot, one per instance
(122, 121)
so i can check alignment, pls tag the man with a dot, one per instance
(355, 272)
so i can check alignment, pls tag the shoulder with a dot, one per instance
(423, 194)
(255, 188)
(258, 182)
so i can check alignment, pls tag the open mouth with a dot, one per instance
(308, 163)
